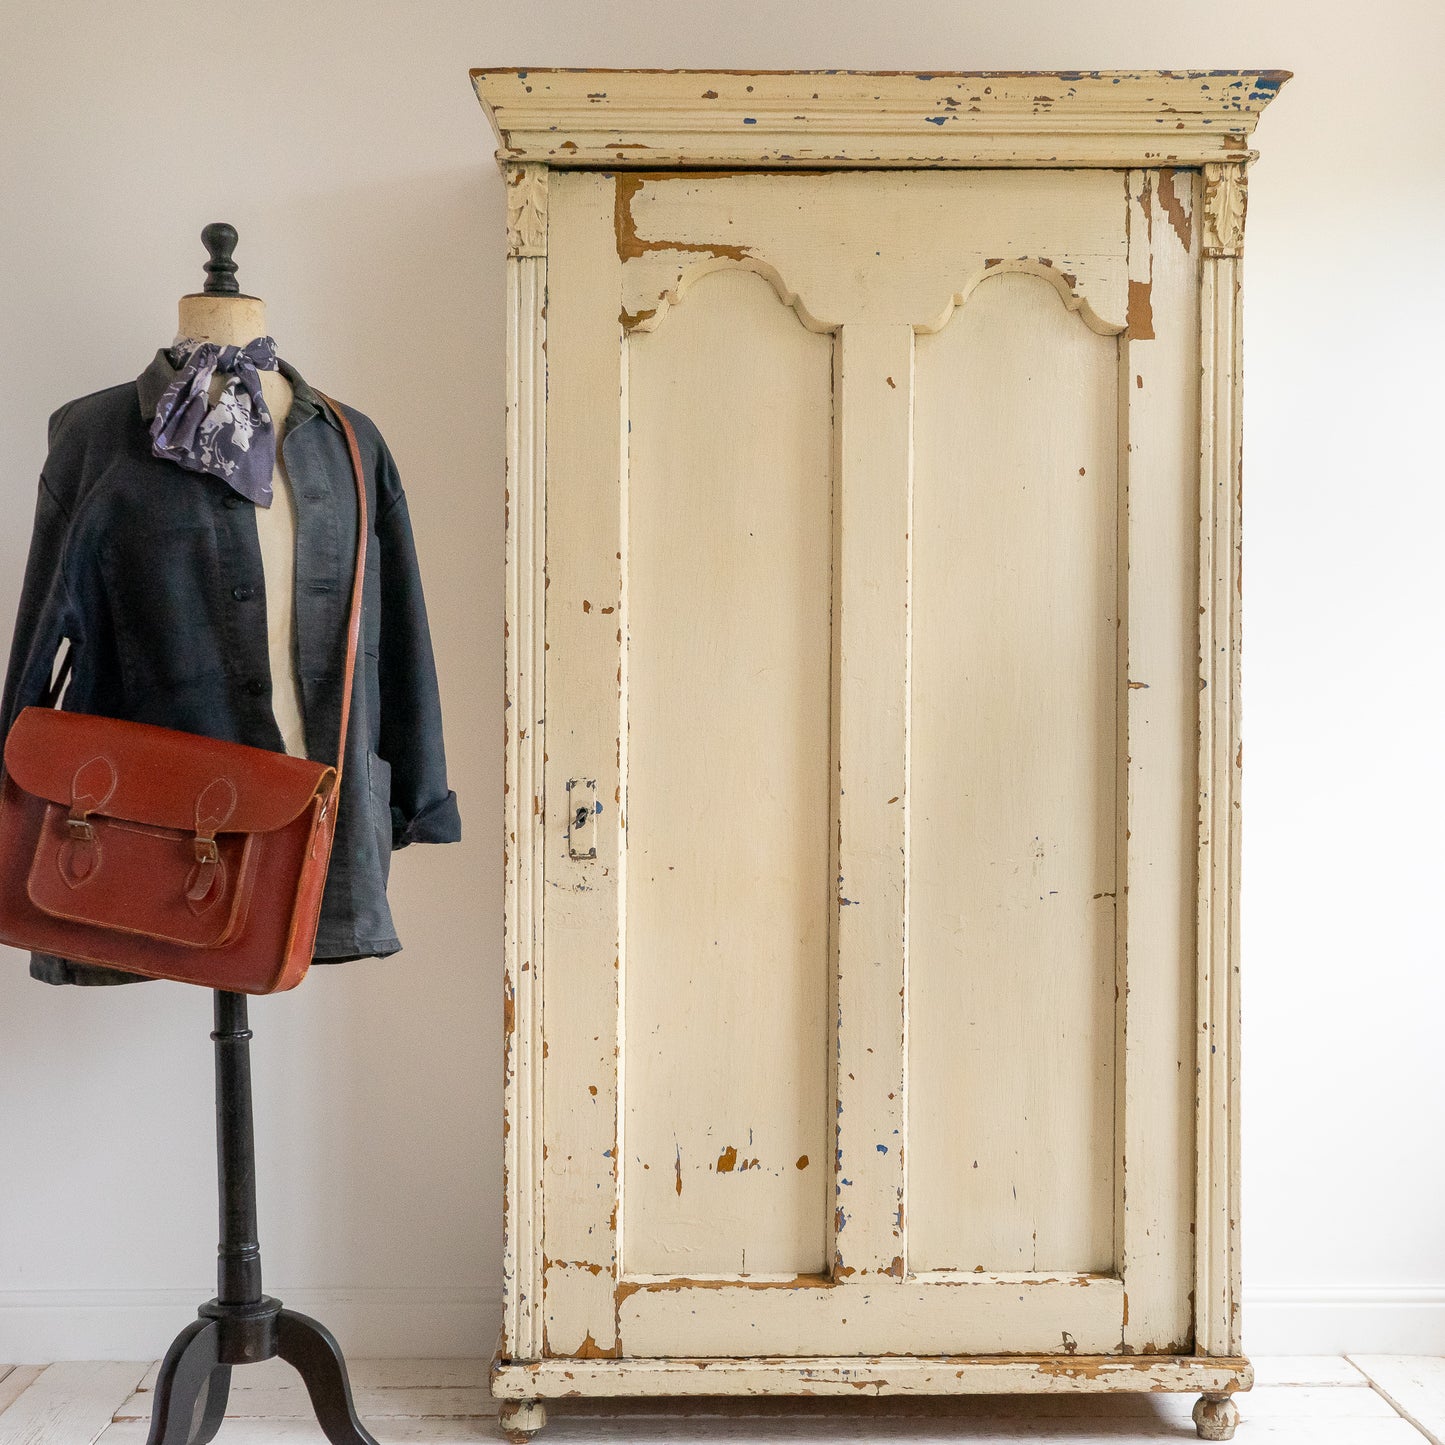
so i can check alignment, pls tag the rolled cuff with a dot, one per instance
(438, 822)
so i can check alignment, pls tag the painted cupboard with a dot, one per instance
(873, 462)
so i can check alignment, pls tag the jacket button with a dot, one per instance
(255, 687)
(243, 594)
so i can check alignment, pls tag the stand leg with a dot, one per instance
(521, 1419)
(312, 1349)
(218, 1391)
(1215, 1417)
(190, 1365)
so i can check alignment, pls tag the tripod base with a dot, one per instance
(195, 1377)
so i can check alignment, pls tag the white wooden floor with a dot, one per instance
(1363, 1400)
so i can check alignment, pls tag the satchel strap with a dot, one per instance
(353, 628)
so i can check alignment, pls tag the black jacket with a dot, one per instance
(154, 575)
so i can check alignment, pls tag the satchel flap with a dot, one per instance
(156, 775)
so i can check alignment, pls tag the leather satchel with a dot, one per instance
(166, 853)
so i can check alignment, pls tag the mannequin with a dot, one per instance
(136, 559)
(242, 1325)
(233, 321)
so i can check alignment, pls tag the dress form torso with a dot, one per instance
(233, 321)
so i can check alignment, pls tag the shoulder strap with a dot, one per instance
(353, 628)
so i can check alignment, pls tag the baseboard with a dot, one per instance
(42, 1325)
(421, 1323)
(1345, 1319)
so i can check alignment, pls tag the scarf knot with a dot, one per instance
(235, 439)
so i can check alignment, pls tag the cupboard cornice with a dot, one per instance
(793, 119)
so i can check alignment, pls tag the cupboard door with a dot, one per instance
(869, 807)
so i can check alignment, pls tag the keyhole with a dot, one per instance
(579, 821)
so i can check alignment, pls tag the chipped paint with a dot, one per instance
(589, 1349)
(886, 1375)
(630, 245)
(628, 1287)
(1175, 190)
(718, 118)
(1140, 325)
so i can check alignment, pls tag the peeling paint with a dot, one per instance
(631, 320)
(1140, 322)
(589, 1349)
(630, 245)
(1174, 208)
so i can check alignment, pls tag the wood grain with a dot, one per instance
(70, 1403)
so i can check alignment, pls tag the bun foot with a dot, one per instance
(521, 1419)
(1215, 1417)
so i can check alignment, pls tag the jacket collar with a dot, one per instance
(306, 402)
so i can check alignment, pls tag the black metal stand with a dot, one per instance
(241, 1325)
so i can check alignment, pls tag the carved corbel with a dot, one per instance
(1225, 196)
(526, 210)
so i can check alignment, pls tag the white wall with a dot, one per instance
(344, 142)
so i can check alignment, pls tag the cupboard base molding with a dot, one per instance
(881, 1375)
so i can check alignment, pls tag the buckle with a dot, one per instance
(206, 851)
(80, 829)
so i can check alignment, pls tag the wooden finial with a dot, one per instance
(219, 240)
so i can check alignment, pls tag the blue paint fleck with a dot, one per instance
(750, 120)
(882, 1148)
(935, 119)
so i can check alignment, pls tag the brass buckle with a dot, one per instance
(206, 851)
(80, 829)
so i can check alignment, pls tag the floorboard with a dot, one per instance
(69, 1404)
(565, 1431)
(302, 1432)
(1414, 1385)
(17, 1379)
(290, 1401)
(1305, 1370)
(365, 1374)
(1304, 1400)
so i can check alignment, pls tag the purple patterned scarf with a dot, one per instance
(234, 439)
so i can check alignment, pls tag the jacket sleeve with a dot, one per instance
(46, 614)
(423, 808)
